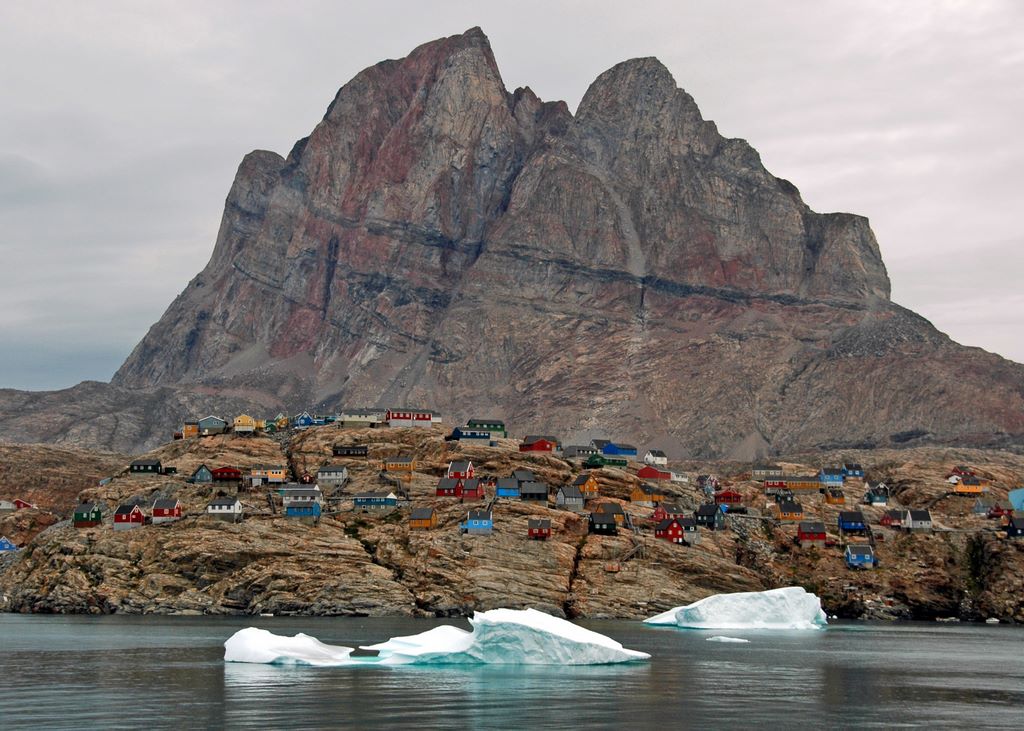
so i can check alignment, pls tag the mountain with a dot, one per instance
(440, 241)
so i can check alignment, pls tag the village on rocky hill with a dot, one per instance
(385, 511)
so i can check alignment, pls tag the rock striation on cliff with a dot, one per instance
(438, 240)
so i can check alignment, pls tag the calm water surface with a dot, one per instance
(168, 672)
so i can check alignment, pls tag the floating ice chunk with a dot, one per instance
(723, 638)
(788, 608)
(257, 645)
(499, 636)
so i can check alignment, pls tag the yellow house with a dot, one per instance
(835, 497)
(587, 484)
(644, 494)
(268, 473)
(261, 424)
(789, 511)
(190, 429)
(400, 464)
(244, 424)
(971, 486)
(281, 421)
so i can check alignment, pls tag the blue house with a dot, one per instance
(6, 545)
(877, 495)
(474, 436)
(619, 450)
(831, 476)
(860, 556)
(212, 425)
(852, 469)
(375, 501)
(303, 510)
(851, 521)
(302, 421)
(507, 487)
(202, 474)
(478, 522)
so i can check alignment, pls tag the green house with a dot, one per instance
(495, 426)
(600, 460)
(87, 515)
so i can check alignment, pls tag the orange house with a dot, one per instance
(190, 429)
(423, 519)
(399, 464)
(971, 485)
(644, 494)
(835, 496)
(587, 484)
(789, 511)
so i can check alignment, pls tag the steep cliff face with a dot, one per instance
(438, 240)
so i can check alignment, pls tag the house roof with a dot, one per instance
(222, 502)
(791, 506)
(471, 484)
(448, 482)
(507, 483)
(571, 492)
(895, 513)
(524, 475)
(602, 518)
(421, 514)
(852, 466)
(812, 526)
(201, 467)
(657, 453)
(851, 516)
(663, 524)
(374, 494)
(333, 468)
(535, 523)
(302, 492)
(860, 549)
(835, 492)
(165, 504)
(531, 438)
(610, 509)
(672, 508)
(488, 422)
(126, 509)
(832, 471)
(480, 515)
(707, 509)
(460, 466)
(920, 515)
(146, 462)
(533, 488)
(399, 460)
(600, 443)
(87, 507)
(267, 467)
(582, 479)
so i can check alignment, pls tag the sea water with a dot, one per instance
(169, 672)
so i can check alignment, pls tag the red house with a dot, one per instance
(20, 504)
(165, 510)
(728, 497)
(472, 489)
(449, 487)
(539, 530)
(961, 471)
(461, 470)
(649, 472)
(227, 474)
(892, 518)
(128, 516)
(667, 510)
(811, 533)
(676, 530)
(537, 444)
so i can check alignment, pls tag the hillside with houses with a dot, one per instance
(388, 511)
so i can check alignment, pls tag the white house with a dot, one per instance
(678, 477)
(656, 456)
(917, 520)
(411, 417)
(225, 508)
(332, 475)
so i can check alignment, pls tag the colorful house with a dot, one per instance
(834, 496)
(495, 427)
(470, 436)
(225, 508)
(209, 425)
(656, 457)
(576, 451)
(522, 476)
(851, 521)
(587, 484)
(728, 497)
(407, 418)
(303, 420)
(478, 522)
(649, 472)
(165, 510)
(203, 474)
(190, 429)
(533, 492)
(146, 467)
(603, 524)
(917, 520)
(538, 444)
(461, 469)
(831, 477)
(448, 487)
(892, 519)
(853, 470)
(127, 517)
(678, 530)
(710, 516)
(301, 496)
(227, 474)
(667, 510)
(615, 510)
(877, 495)
(982, 505)
(507, 487)
(303, 507)
(350, 450)
(423, 519)
(860, 556)
(538, 529)
(270, 474)
(400, 464)
(569, 497)
(375, 501)
(87, 515)
(600, 460)
(811, 533)
(646, 495)
(1014, 527)
(243, 424)
(611, 449)
(332, 475)
(793, 483)
(6, 545)
(351, 418)
(789, 511)
(961, 471)
(473, 489)
(7, 506)
(971, 485)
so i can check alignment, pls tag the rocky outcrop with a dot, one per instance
(440, 241)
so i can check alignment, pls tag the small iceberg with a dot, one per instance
(791, 607)
(723, 638)
(499, 636)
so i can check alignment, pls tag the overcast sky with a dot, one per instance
(122, 124)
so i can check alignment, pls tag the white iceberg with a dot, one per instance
(499, 636)
(791, 607)
(723, 638)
